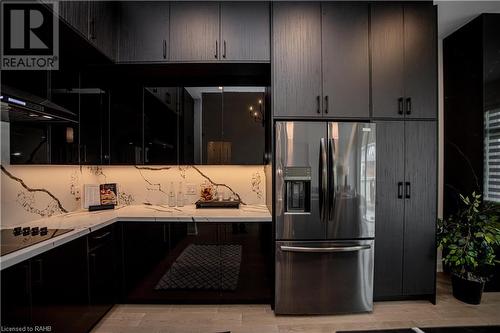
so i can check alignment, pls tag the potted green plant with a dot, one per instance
(468, 240)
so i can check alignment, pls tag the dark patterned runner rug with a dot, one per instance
(204, 267)
(464, 329)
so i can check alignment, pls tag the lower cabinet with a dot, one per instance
(203, 262)
(49, 290)
(103, 272)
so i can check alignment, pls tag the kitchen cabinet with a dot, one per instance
(144, 31)
(16, 295)
(245, 31)
(143, 244)
(296, 59)
(194, 31)
(345, 59)
(61, 300)
(321, 60)
(34, 292)
(404, 61)
(103, 271)
(103, 27)
(226, 31)
(406, 209)
(76, 14)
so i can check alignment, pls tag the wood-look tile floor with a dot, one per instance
(135, 318)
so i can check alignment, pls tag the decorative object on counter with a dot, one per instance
(91, 195)
(468, 240)
(109, 194)
(101, 207)
(207, 192)
(180, 195)
(171, 195)
(218, 204)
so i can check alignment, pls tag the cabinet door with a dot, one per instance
(387, 60)
(144, 31)
(102, 22)
(59, 288)
(420, 61)
(194, 31)
(76, 14)
(420, 208)
(296, 74)
(389, 211)
(346, 80)
(246, 262)
(16, 298)
(102, 271)
(245, 31)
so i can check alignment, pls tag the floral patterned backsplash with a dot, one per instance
(32, 192)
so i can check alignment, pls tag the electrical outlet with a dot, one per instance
(190, 189)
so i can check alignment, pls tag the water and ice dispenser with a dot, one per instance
(297, 190)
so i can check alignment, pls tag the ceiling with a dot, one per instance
(453, 14)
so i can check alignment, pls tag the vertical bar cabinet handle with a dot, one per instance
(400, 105)
(326, 104)
(224, 54)
(407, 190)
(322, 178)
(400, 190)
(216, 49)
(408, 105)
(318, 101)
(164, 49)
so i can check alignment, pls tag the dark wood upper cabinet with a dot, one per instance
(404, 68)
(245, 31)
(194, 31)
(103, 27)
(387, 60)
(420, 45)
(345, 59)
(296, 59)
(144, 31)
(76, 14)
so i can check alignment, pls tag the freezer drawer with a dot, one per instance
(327, 277)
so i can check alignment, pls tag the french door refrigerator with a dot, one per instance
(325, 217)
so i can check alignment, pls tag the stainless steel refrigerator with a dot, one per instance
(325, 217)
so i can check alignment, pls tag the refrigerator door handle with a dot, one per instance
(331, 177)
(331, 249)
(323, 180)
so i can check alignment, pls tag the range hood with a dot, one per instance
(18, 105)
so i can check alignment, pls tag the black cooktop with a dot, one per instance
(19, 238)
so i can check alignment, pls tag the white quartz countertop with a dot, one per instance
(84, 222)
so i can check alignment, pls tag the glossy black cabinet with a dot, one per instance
(144, 31)
(404, 61)
(406, 209)
(36, 293)
(16, 295)
(203, 262)
(104, 279)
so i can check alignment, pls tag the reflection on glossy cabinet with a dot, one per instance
(76, 14)
(194, 31)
